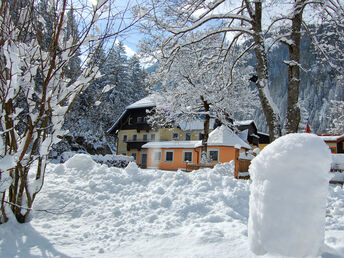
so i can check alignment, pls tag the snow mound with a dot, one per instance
(80, 162)
(124, 205)
(288, 196)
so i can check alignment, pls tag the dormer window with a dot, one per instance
(175, 136)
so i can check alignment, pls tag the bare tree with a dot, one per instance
(35, 91)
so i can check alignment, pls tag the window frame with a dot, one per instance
(190, 135)
(175, 138)
(126, 138)
(183, 157)
(153, 137)
(165, 156)
(218, 155)
(154, 154)
(145, 138)
(134, 139)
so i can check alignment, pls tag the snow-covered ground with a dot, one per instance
(101, 211)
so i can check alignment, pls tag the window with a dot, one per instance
(153, 137)
(187, 136)
(187, 156)
(175, 136)
(139, 120)
(145, 119)
(200, 136)
(134, 154)
(125, 138)
(144, 137)
(169, 156)
(156, 156)
(134, 137)
(213, 155)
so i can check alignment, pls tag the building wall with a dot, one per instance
(122, 146)
(226, 154)
(177, 159)
(163, 134)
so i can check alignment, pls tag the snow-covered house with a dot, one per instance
(249, 133)
(132, 130)
(173, 155)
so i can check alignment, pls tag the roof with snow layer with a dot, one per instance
(331, 138)
(146, 102)
(221, 136)
(172, 144)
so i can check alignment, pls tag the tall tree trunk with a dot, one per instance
(269, 108)
(293, 115)
(206, 122)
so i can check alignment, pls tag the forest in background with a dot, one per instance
(88, 122)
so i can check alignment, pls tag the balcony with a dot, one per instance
(137, 145)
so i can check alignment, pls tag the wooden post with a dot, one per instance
(236, 162)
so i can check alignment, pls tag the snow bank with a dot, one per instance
(119, 161)
(288, 196)
(109, 207)
(112, 212)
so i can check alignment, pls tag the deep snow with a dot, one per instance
(111, 212)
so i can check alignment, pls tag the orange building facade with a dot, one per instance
(176, 158)
(174, 155)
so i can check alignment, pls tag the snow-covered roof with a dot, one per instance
(172, 144)
(148, 101)
(195, 124)
(244, 122)
(261, 133)
(115, 123)
(331, 138)
(243, 135)
(223, 136)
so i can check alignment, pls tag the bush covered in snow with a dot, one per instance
(110, 160)
(288, 196)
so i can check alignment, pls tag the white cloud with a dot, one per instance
(127, 49)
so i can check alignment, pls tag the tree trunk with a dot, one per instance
(269, 108)
(206, 122)
(293, 115)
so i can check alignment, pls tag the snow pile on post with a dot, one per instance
(288, 196)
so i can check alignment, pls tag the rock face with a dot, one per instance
(318, 88)
(288, 196)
